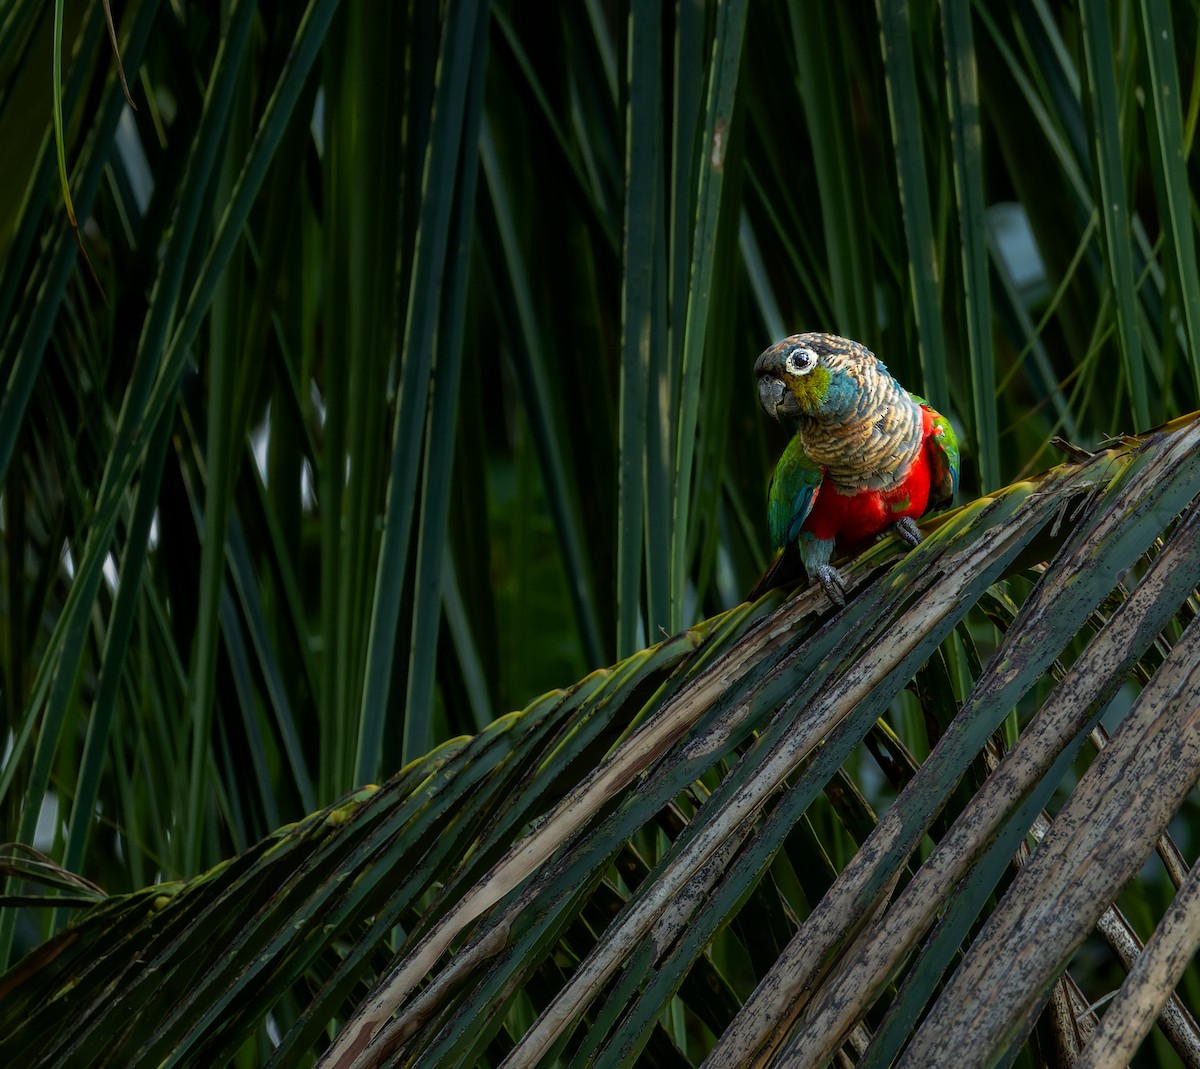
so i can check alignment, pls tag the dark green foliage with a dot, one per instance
(417, 382)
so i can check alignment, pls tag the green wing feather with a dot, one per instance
(943, 453)
(793, 491)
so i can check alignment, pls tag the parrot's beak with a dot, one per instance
(771, 394)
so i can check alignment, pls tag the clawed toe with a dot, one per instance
(832, 583)
(906, 528)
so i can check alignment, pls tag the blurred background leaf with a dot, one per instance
(420, 385)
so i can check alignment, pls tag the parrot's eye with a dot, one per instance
(800, 361)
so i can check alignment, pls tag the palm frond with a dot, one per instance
(418, 381)
(523, 849)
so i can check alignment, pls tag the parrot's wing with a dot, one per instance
(943, 456)
(793, 492)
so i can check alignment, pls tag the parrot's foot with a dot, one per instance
(832, 582)
(907, 530)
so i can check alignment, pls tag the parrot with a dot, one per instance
(867, 456)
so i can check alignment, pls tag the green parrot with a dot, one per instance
(867, 456)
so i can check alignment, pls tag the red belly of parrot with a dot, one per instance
(853, 518)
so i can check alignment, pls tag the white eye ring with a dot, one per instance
(800, 361)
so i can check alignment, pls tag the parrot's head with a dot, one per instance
(813, 375)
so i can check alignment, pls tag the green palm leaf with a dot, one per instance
(756, 711)
(420, 384)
